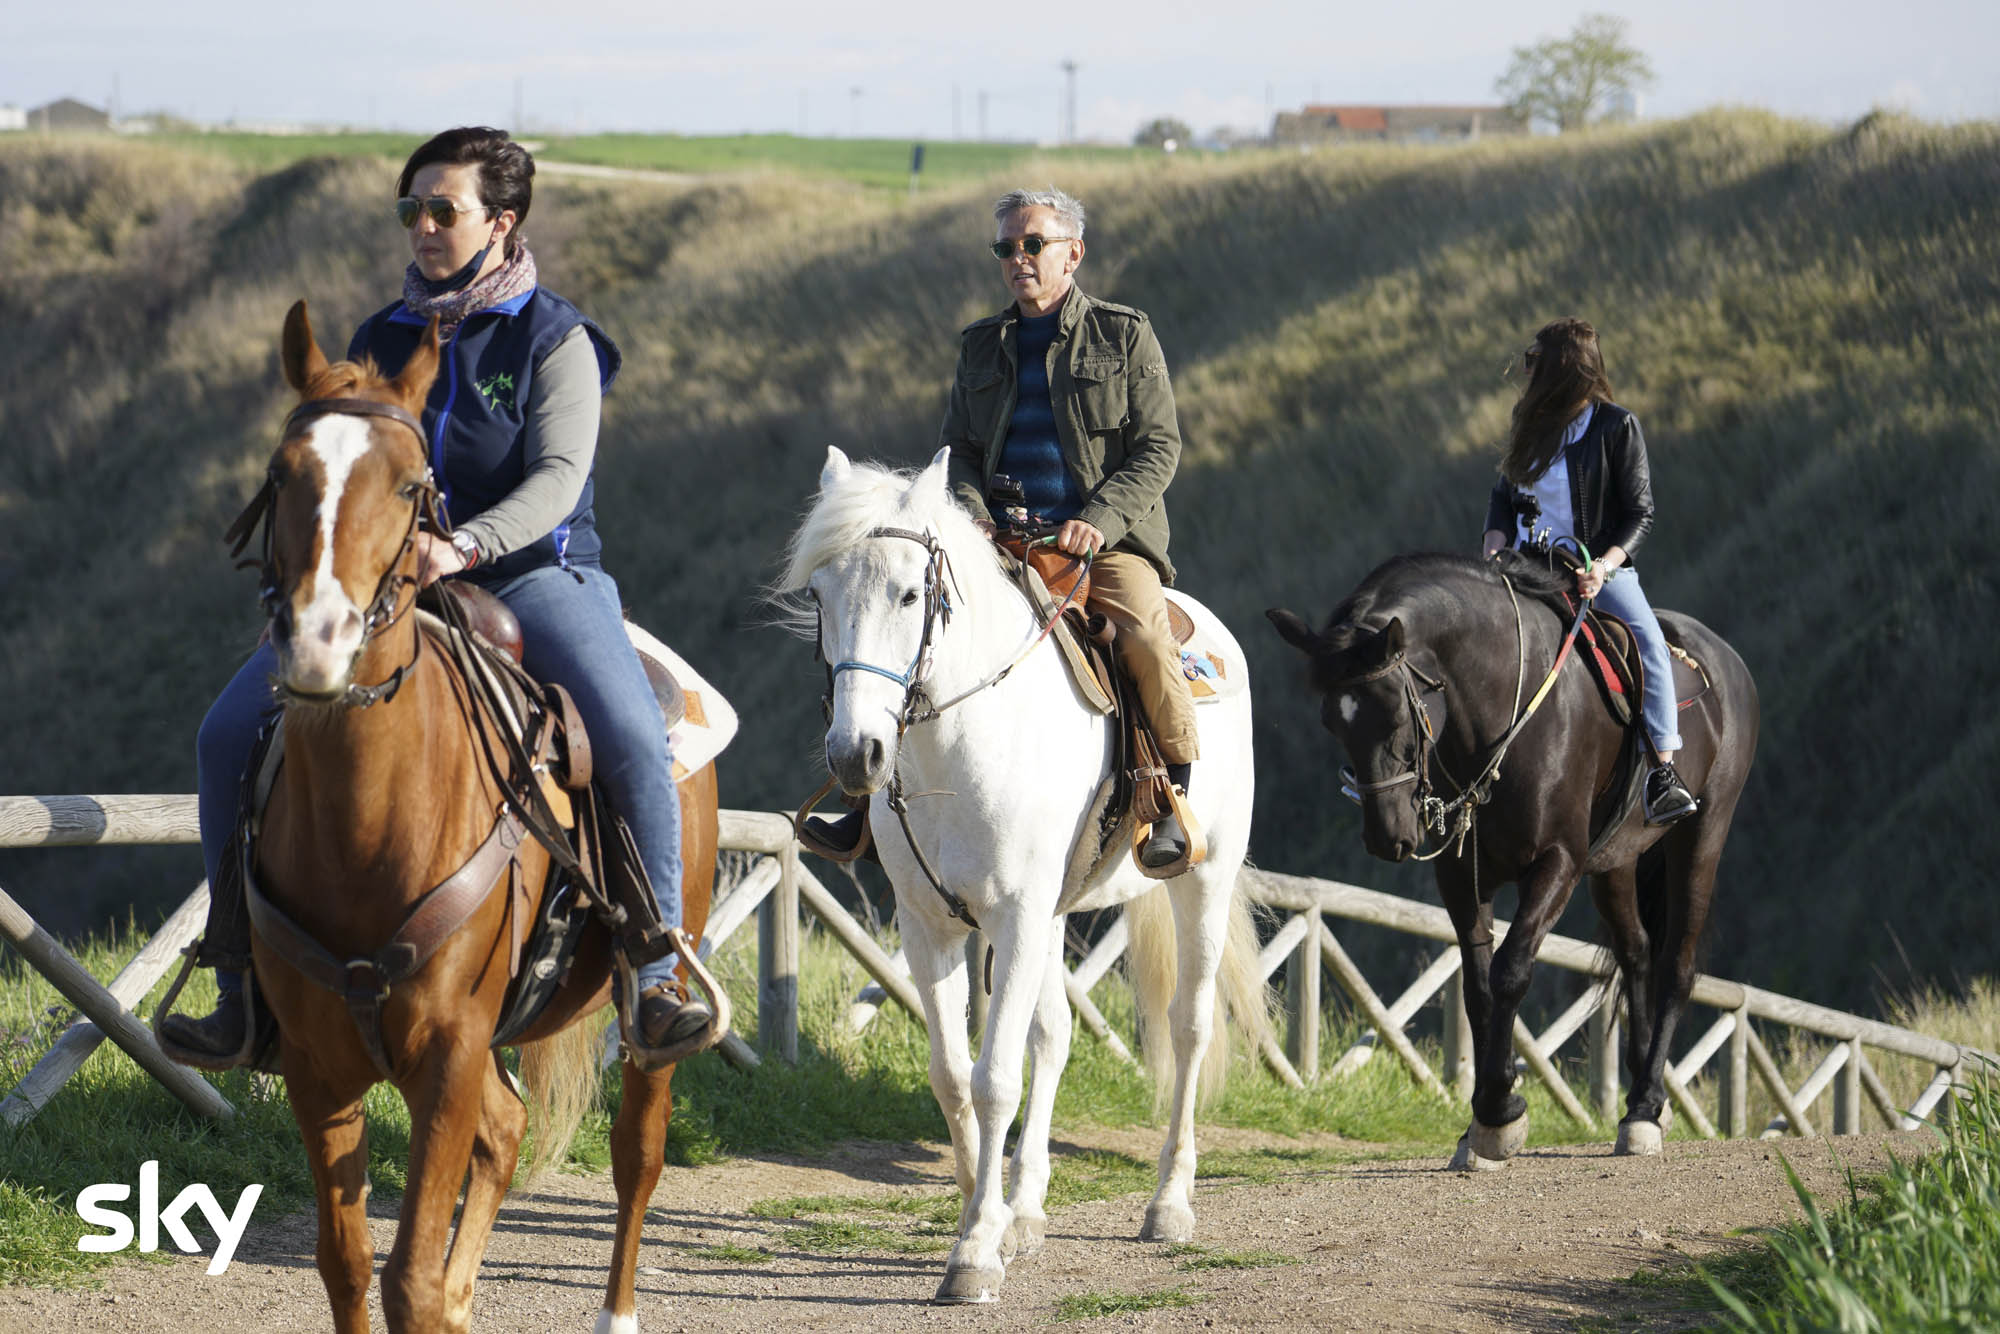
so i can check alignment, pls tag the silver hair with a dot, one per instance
(1068, 211)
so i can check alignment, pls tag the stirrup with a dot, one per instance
(197, 1057)
(810, 840)
(651, 1059)
(1197, 844)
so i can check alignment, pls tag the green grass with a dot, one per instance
(1192, 1257)
(1915, 1248)
(1097, 1305)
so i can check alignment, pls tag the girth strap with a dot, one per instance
(364, 982)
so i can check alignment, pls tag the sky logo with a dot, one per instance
(229, 1228)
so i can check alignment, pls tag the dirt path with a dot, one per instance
(1378, 1246)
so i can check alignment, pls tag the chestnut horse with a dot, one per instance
(1429, 673)
(371, 808)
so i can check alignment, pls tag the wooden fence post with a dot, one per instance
(1302, 1002)
(1847, 1092)
(778, 961)
(1457, 1035)
(1733, 1097)
(1605, 1041)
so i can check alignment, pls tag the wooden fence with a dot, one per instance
(778, 887)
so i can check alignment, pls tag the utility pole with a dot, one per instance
(982, 115)
(802, 113)
(519, 128)
(954, 112)
(854, 112)
(1069, 101)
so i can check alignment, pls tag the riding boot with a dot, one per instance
(220, 1039)
(668, 1016)
(1169, 842)
(840, 840)
(1667, 798)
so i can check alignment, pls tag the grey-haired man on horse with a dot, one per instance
(1069, 395)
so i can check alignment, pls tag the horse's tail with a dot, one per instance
(1152, 963)
(561, 1077)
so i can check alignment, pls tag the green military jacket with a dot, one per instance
(1114, 416)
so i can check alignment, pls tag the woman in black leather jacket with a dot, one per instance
(1575, 467)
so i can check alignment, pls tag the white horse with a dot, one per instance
(1003, 787)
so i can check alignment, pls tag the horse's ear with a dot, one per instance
(297, 351)
(413, 385)
(1293, 628)
(940, 467)
(1392, 638)
(835, 468)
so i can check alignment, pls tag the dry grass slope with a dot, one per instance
(1804, 319)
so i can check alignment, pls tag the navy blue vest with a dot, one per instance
(476, 414)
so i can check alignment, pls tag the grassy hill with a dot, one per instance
(1805, 320)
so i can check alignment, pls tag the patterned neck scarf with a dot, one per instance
(511, 279)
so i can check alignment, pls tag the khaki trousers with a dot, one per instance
(1126, 588)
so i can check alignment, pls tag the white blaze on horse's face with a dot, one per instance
(319, 630)
(1348, 708)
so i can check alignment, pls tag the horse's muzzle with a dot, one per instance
(861, 768)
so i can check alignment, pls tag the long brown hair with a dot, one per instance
(1565, 372)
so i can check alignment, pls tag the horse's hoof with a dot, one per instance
(1465, 1160)
(1498, 1142)
(1168, 1222)
(1638, 1139)
(968, 1287)
(1023, 1237)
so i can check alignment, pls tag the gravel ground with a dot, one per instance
(1543, 1245)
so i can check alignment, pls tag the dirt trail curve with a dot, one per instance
(1379, 1246)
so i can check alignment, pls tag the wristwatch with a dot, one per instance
(467, 546)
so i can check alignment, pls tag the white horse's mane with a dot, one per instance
(866, 497)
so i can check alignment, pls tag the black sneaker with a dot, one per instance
(1166, 845)
(1667, 797)
(214, 1042)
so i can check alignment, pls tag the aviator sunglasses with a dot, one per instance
(1030, 246)
(444, 212)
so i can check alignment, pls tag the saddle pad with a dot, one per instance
(708, 721)
(1211, 675)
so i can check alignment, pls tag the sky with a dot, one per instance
(902, 68)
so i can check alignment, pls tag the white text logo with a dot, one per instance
(229, 1229)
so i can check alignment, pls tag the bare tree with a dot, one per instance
(1565, 80)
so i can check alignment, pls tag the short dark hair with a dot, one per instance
(506, 170)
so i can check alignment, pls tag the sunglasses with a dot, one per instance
(444, 212)
(1030, 246)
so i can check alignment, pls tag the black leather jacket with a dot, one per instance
(1610, 486)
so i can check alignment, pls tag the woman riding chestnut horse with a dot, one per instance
(510, 426)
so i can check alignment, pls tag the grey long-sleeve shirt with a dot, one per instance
(564, 405)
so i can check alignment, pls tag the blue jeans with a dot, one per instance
(1623, 598)
(574, 636)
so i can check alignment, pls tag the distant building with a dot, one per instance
(13, 118)
(1421, 124)
(68, 114)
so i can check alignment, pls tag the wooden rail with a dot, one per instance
(778, 887)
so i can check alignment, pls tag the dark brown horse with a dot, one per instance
(1424, 669)
(374, 806)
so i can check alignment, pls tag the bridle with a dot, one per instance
(917, 706)
(387, 607)
(1450, 821)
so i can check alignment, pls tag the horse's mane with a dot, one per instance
(1415, 582)
(868, 497)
